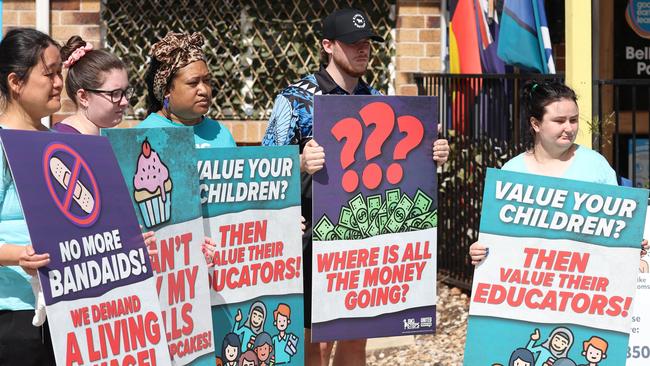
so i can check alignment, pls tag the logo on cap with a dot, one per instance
(359, 21)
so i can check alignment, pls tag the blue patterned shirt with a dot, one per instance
(293, 112)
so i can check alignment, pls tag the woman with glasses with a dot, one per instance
(98, 85)
(180, 91)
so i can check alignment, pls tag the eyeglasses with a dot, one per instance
(117, 94)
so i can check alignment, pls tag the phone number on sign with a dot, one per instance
(638, 352)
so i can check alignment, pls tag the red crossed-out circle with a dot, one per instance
(65, 206)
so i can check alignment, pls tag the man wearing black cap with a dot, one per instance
(344, 60)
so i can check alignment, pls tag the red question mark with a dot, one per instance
(350, 130)
(405, 289)
(414, 133)
(382, 116)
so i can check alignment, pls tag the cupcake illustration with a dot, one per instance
(152, 187)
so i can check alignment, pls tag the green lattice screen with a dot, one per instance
(254, 48)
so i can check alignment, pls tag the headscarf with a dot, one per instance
(174, 52)
(259, 306)
(563, 332)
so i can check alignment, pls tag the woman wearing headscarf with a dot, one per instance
(180, 90)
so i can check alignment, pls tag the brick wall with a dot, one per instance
(417, 37)
(418, 42)
(17, 14)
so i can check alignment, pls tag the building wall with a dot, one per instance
(418, 42)
(417, 37)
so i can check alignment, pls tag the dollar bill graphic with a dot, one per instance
(421, 204)
(346, 233)
(324, 230)
(346, 218)
(399, 215)
(378, 222)
(374, 204)
(414, 223)
(392, 198)
(360, 211)
(430, 221)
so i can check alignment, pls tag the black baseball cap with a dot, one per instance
(348, 26)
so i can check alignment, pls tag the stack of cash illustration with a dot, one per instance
(374, 215)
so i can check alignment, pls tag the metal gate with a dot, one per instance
(254, 48)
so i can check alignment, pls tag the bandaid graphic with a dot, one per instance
(81, 194)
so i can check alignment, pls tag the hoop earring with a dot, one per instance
(166, 103)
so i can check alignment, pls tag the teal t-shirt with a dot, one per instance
(279, 349)
(208, 133)
(15, 289)
(587, 166)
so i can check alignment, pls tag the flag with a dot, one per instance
(490, 62)
(464, 55)
(524, 39)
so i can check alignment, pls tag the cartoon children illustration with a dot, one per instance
(253, 326)
(594, 350)
(284, 344)
(248, 358)
(521, 357)
(263, 348)
(230, 349)
(557, 345)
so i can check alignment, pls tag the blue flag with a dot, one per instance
(524, 37)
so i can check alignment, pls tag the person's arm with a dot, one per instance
(534, 338)
(23, 256)
(235, 327)
(280, 124)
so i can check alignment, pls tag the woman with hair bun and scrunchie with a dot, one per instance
(551, 110)
(98, 85)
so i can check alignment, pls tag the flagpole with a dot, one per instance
(579, 62)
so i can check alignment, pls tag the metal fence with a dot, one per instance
(481, 119)
(253, 48)
(622, 128)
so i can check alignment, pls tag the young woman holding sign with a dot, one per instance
(98, 84)
(552, 112)
(30, 89)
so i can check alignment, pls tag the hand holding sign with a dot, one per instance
(440, 151)
(30, 261)
(312, 158)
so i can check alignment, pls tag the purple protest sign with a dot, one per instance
(99, 282)
(375, 217)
